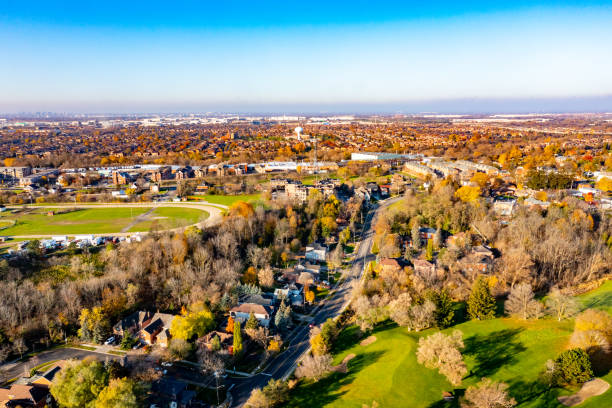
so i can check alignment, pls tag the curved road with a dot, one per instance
(281, 366)
(215, 214)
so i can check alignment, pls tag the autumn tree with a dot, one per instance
(230, 325)
(468, 194)
(94, 325)
(197, 321)
(79, 384)
(592, 331)
(121, 393)
(521, 303)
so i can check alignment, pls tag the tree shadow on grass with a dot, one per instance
(536, 393)
(454, 403)
(493, 350)
(602, 301)
(350, 336)
(328, 389)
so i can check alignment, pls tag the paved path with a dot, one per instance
(284, 364)
(215, 214)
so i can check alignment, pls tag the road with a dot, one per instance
(283, 365)
(215, 212)
(14, 370)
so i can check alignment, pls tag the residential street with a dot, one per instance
(284, 364)
(18, 369)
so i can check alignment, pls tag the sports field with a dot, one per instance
(504, 349)
(70, 221)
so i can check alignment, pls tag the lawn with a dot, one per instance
(504, 349)
(80, 221)
(164, 218)
(228, 200)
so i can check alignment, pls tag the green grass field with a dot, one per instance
(96, 220)
(504, 349)
(164, 218)
(228, 200)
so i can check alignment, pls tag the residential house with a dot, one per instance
(20, 395)
(165, 391)
(478, 261)
(504, 207)
(390, 265)
(423, 267)
(293, 292)
(151, 328)
(263, 299)
(226, 341)
(427, 233)
(262, 313)
(316, 252)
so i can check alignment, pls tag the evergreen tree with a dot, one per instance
(445, 312)
(252, 323)
(215, 343)
(237, 339)
(429, 252)
(481, 304)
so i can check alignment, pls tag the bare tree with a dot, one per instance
(210, 361)
(314, 367)
(19, 346)
(488, 394)
(399, 309)
(266, 277)
(559, 305)
(521, 303)
(443, 352)
(422, 316)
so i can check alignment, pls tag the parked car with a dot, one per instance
(166, 364)
(110, 340)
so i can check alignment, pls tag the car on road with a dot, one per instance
(166, 364)
(110, 340)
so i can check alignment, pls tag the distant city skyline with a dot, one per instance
(311, 57)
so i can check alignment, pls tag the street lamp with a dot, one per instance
(217, 379)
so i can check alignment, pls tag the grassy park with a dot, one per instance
(228, 200)
(70, 221)
(504, 349)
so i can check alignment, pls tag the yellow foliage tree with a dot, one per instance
(468, 193)
(482, 179)
(242, 208)
(197, 322)
(604, 184)
(250, 276)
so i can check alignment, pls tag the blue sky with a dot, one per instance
(285, 56)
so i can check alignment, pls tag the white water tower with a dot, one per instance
(298, 132)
